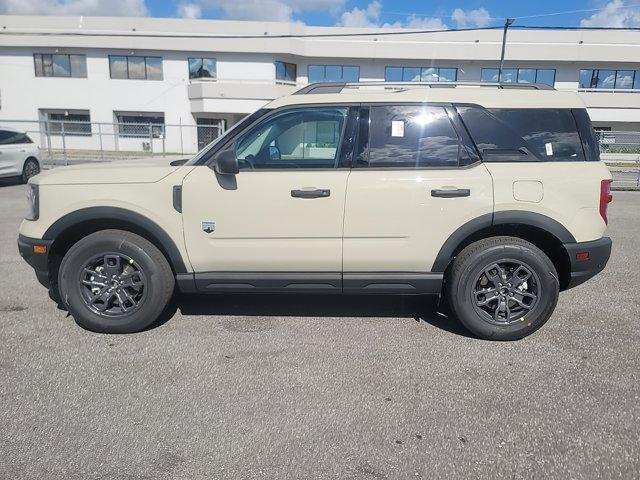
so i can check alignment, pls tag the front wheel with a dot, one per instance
(114, 281)
(503, 288)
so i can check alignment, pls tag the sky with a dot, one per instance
(428, 15)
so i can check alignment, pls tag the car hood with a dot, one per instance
(125, 171)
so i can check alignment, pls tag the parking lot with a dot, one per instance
(321, 387)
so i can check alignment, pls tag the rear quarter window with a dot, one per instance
(524, 134)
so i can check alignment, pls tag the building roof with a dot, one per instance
(531, 44)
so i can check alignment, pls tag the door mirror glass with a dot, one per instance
(226, 163)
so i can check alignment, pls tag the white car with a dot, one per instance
(18, 155)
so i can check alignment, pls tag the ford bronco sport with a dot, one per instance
(491, 196)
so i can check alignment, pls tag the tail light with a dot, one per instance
(605, 198)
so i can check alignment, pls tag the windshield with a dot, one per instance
(205, 153)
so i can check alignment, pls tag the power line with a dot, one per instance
(285, 36)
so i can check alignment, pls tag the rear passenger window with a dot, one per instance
(8, 137)
(524, 134)
(411, 136)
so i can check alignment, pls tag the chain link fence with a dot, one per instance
(67, 142)
(621, 152)
(72, 142)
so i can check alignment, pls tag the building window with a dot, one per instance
(60, 65)
(420, 74)
(544, 76)
(202, 68)
(333, 73)
(286, 72)
(140, 124)
(610, 79)
(73, 123)
(135, 68)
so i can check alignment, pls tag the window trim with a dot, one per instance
(210, 79)
(636, 75)
(421, 69)
(146, 75)
(517, 69)
(463, 137)
(284, 80)
(68, 55)
(67, 133)
(325, 73)
(163, 130)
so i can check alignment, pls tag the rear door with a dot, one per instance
(416, 179)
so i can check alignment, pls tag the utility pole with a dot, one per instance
(507, 24)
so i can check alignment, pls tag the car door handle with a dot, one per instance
(311, 193)
(450, 192)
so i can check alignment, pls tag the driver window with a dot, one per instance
(300, 138)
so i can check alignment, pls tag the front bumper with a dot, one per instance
(598, 252)
(39, 261)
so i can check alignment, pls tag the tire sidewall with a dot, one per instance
(25, 179)
(70, 288)
(531, 321)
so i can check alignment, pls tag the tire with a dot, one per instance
(30, 168)
(512, 271)
(136, 299)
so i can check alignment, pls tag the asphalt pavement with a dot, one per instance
(321, 387)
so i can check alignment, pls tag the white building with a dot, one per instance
(209, 72)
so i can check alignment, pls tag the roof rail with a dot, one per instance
(337, 87)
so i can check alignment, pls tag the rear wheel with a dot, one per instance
(31, 168)
(503, 288)
(114, 281)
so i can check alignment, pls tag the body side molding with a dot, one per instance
(114, 213)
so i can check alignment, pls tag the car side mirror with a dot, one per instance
(226, 163)
(274, 154)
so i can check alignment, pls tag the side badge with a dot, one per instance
(208, 227)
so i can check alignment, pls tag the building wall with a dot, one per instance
(246, 71)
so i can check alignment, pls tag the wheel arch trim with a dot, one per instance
(507, 217)
(83, 215)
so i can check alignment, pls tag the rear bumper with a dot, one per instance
(39, 261)
(598, 251)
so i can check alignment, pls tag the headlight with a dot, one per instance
(33, 197)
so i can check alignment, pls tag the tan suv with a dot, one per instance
(492, 196)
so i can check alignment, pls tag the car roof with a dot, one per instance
(499, 97)
(9, 129)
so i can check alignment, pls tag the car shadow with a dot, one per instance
(417, 308)
(10, 181)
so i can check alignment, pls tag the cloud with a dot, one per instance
(362, 17)
(369, 17)
(131, 8)
(265, 10)
(189, 10)
(614, 14)
(478, 18)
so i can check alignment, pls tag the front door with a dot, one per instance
(282, 213)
